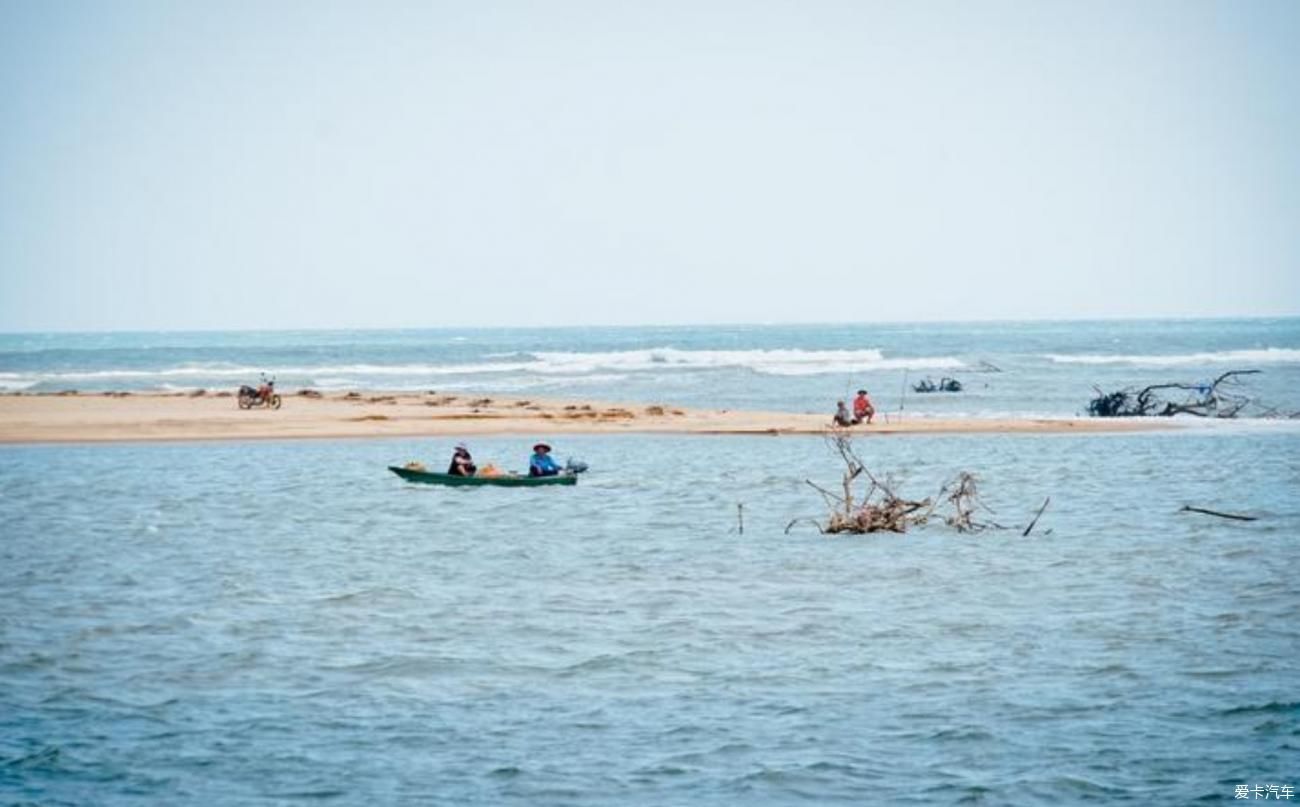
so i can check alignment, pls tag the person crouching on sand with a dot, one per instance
(842, 417)
(462, 464)
(541, 463)
(862, 408)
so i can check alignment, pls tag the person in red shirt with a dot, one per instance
(862, 408)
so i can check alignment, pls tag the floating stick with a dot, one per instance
(1035, 521)
(1187, 508)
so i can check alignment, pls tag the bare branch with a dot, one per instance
(1211, 399)
(1030, 528)
(880, 509)
(813, 522)
(1187, 508)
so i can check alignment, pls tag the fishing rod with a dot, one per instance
(902, 398)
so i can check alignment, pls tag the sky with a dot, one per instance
(233, 165)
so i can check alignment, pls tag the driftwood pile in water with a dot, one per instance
(945, 385)
(890, 514)
(964, 499)
(879, 509)
(1220, 399)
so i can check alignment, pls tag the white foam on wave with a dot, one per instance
(768, 362)
(182, 371)
(571, 365)
(15, 382)
(227, 371)
(513, 384)
(1268, 355)
(774, 362)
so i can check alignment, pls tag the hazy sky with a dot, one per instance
(232, 165)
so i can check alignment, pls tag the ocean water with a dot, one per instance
(286, 622)
(1042, 368)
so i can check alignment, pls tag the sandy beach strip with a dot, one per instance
(117, 416)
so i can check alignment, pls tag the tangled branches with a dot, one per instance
(964, 500)
(1220, 398)
(880, 509)
(945, 384)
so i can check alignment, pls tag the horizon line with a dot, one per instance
(660, 325)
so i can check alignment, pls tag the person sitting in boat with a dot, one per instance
(542, 463)
(862, 408)
(462, 464)
(842, 416)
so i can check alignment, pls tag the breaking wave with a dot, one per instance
(570, 365)
(17, 381)
(769, 362)
(1268, 355)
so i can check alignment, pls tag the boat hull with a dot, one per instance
(447, 480)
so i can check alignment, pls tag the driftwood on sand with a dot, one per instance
(1224, 397)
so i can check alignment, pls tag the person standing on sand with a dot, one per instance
(862, 408)
(541, 463)
(462, 464)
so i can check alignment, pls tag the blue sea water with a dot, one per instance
(286, 622)
(1047, 368)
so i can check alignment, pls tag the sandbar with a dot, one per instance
(90, 417)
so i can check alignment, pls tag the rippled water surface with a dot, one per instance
(283, 622)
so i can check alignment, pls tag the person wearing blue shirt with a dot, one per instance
(541, 463)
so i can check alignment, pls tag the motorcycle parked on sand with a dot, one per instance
(263, 394)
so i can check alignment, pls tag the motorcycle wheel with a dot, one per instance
(275, 401)
(245, 402)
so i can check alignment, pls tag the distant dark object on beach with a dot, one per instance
(945, 385)
(263, 395)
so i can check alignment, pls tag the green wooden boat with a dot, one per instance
(431, 478)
